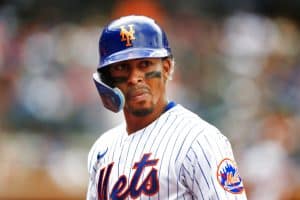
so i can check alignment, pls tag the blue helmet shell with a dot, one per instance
(132, 37)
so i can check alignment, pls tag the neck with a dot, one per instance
(135, 123)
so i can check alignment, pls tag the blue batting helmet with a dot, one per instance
(132, 37)
(127, 38)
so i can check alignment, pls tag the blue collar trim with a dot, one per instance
(170, 105)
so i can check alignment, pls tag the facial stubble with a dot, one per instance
(146, 111)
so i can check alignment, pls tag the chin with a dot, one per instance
(142, 112)
(141, 109)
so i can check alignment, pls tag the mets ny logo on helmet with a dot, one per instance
(127, 35)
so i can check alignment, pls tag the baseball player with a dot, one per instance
(161, 150)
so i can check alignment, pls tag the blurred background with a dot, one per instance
(237, 66)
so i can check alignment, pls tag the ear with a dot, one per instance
(167, 68)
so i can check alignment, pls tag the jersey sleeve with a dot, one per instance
(209, 168)
(91, 162)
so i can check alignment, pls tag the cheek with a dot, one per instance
(158, 88)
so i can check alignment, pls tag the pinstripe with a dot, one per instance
(203, 174)
(128, 153)
(150, 134)
(119, 140)
(214, 187)
(211, 147)
(190, 130)
(163, 155)
(209, 166)
(199, 188)
(187, 172)
(132, 160)
(120, 154)
(177, 182)
(183, 196)
(168, 131)
(192, 177)
(220, 152)
(204, 154)
(156, 137)
(195, 180)
(187, 156)
(188, 133)
(160, 133)
(216, 161)
(120, 159)
(170, 159)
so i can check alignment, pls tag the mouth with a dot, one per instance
(139, 94)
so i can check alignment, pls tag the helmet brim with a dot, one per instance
(134, 53)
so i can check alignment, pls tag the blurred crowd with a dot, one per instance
(241, 73)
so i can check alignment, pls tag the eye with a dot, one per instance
(119, 67)
(119, 80)
(145, 63)
(119, 72)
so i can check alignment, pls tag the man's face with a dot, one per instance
(143, 83)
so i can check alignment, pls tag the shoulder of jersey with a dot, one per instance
(109, 135)
(195, 119)
(105, 139)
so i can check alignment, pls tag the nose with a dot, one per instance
(135, 76)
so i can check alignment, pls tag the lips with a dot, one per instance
(137, 93)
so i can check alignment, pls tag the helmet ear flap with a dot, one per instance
(112, 98)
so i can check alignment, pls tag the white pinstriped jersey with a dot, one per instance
(178, 156)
